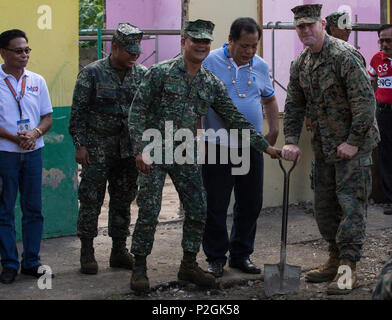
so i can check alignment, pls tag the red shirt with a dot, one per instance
(381, 67)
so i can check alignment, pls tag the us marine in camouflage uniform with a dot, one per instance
(329, 78)
(102, 97)
(338, 26)
(383, 288)
(178, 90)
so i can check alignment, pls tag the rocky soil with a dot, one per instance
(377, 249)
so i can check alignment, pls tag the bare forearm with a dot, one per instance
(5, 134)
(46, 123)
(272, 113)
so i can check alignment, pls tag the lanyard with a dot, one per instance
(22, 92)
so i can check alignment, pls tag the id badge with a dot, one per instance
(23, 125)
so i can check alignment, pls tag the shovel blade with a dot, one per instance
(277, 282)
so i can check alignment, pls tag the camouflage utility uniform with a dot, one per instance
(334, 87)
(99, 122)
(168, 93)
(383, 288)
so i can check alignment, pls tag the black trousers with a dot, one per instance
(248, 190)
(384, 120)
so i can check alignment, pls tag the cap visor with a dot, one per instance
(134, 49)
(305, 20)
(200, 35)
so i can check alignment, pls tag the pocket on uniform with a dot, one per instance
(365, 184)
(205, 102)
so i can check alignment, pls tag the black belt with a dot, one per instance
(383, 105)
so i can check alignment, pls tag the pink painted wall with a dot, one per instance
(288, 46)
(148, 14)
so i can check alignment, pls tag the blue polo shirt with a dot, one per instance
(217, 62)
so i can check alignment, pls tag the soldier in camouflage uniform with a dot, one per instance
(178, 90)
(340, 32)
(383, 288)
(338, 25)
(329, 78)
(102, 97)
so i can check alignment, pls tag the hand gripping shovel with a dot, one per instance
(282, 278)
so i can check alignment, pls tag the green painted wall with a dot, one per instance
(59, 180)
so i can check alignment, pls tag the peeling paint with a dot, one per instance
(52, 137)
(52, 177)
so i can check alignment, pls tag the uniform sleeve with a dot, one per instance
(233, 119)
(141, 108)
(84, 88)
(45, 103)
(360, 96)
(295, 107)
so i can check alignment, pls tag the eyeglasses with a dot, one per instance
(20, 51)
(387, 40)
(200, 41)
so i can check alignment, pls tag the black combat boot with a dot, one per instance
(139, 279)
(190, 271)
(87, 260)
(120, 257)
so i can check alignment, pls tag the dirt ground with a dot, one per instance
(305, 248)
(368, 270)
(376, 252)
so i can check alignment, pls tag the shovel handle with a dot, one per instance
(285, 210)
(283, 168)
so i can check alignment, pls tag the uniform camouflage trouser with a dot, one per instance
(341, 198)
(188, 182)
(121, 175)
(383, 288)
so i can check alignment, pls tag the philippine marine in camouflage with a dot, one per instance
(102, 97)
(329, 78)
(179, 90)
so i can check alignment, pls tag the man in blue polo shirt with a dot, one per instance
(247, 80)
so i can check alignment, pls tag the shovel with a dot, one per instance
(282, 278)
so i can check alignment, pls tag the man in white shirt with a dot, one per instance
(25, 116)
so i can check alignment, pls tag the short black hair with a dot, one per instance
(9, 35)
(247, 24)
(383, 27)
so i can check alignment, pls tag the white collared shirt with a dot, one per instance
(35, 103)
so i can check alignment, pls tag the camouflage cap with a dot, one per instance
(308, 13)
(129, 37)
(199, 29)
(333, 20)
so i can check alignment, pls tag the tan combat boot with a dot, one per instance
(88, 263)
(344, 287)
(327, 271)
(139, 279)
(119, 256)
(190, 271)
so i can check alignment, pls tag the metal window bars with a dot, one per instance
(356, 27)
(102, 35)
